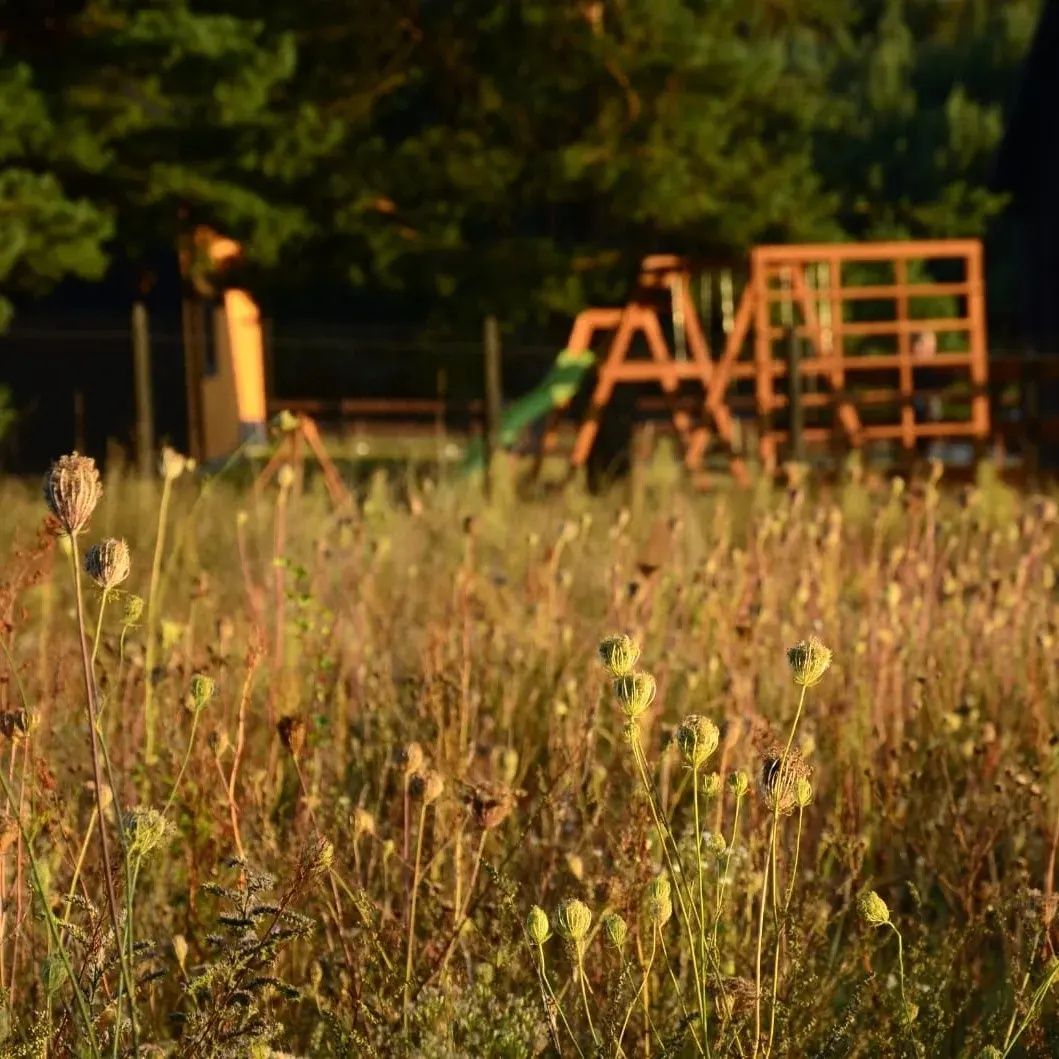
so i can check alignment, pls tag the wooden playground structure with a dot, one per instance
(832, 332)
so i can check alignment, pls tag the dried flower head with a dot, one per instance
(739, 781)
(292, 733)
(537, 926)
(491, 805)
(635, 692)
(108, 563)
(363, 822)
(615, 929)
(200, 692)
(72, 490)
(427, 785)
(697, 737)
(619, 654)
(573, 919)
(809, 661)
(873, 909)
(779, 779)
(412, 758)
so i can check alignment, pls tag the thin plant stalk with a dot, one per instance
(794, 864)
(152, 603)
(579, 949)
(543, 975)
(184, 763)
(97, 775)
(760, 941)
(727, 864)
(643, 985)
(49, 918)
(412, 910)
(1031, 1011)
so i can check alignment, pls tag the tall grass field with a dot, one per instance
(764, 772)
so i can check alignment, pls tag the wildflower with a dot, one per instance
(711, 784)
(697, 738)
(133, 610)
(873, 909)
(201, 691)
(146, 829)
(615, 929)
(657, 902)
(803, 792)
(635, 693)
(573, 919)
(619, 654)
(779, 779)
(72, 490)
(739, 781)
(108, 563)
(809, 661)
(537, 926)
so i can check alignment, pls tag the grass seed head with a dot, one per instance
(108, 563)
(537, 926)
(809, 661)
(72, 490)
(697, 737)
(635, 692)
(619, 654)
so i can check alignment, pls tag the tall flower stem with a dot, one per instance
(702, 895)
(643, 985)
(727, 864)
(546, 985)
(584, 991)
(760, 940)
(97, 775)
(412, 910)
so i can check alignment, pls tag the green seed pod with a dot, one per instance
(573, 919)
(809, 661)
(739, 782)
(635, 692)
(715, 844)
(615, 929)
(697, 738)
(619, 654)
(537, 925)
(201, 691)
(873, 909)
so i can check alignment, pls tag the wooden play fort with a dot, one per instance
(839, 344)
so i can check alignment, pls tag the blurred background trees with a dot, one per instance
(486, 156)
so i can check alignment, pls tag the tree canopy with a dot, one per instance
(483, 155)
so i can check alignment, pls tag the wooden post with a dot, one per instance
(141, 373)
(794, 389)
(493, 392)
(194, 342)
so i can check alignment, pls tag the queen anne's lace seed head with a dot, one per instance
(72, 490)
(697, 737)
(809, 661)
(108, 563)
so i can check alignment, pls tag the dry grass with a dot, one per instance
(409, 713)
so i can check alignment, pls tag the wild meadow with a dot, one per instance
(754, 772)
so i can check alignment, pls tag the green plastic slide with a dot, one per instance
(556, 390)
